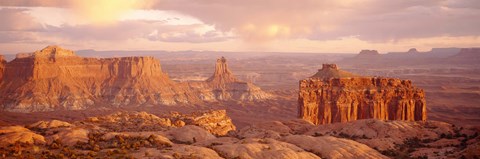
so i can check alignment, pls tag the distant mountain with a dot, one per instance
(373, 59)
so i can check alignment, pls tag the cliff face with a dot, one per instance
(2, 66)
(341, 99)
(222, 74)
(55, 78)
(226, 86)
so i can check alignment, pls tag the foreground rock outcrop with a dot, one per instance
(115, 136)
(55, 78)
(333, 95)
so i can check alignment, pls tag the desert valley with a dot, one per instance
(60, 103)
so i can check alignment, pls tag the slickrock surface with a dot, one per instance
(216, 121)
(333, 95)
(49, 124)
(190, 134)
(401, 139)
(332, 147)
(56, 79)
(101, 137)
(261, 148)
(19, 134)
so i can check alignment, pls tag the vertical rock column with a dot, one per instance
(341, 99)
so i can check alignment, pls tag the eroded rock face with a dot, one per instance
(330, 96)
(369, 138)
(19, 134)
(2, 66)
(216, 121)
(55, 78)
(332, 147)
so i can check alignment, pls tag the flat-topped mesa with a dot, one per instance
(51, 51)
(466, 51)
(339, 99)
(412, 51)
(332, 71)
(55, 79)
(368, 53)
(222, 74)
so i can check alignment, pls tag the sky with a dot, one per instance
(316, 26)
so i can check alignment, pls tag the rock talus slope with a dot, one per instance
(55, 78)
(333, 95)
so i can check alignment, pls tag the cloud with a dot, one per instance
(105, 11)
(266, 20)
(243, 24)
(97, 12)
(370, 20)
(17, 26)
(17, 20)
(35, 3)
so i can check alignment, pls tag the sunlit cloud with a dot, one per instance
(242, 25)
(105, 11)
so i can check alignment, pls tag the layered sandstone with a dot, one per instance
(325, 99)
(226, 86)
(144, 135)
(55, 78)
(2, 66)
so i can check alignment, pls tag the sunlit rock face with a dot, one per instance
(2, 66)
(55, 78)
(333, 95)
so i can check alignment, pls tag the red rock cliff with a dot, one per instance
(55, 78)
(345, 98)
(222, 74)
(2, 66)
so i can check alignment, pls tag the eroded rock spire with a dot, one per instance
(222, 74)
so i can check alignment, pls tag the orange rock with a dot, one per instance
(2, 66)
(55, 78)
(335, 96)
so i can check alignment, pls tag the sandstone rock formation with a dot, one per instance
(2, 66)
(333, 95)
(49, 124)
(226, 86)
(222, 74)
(19, 134)
(332, 147)
(369, 138)
(55, 78)
(216, 121)
(261, 148)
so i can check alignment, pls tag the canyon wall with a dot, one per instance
(55, 78)
(2, 66)
(349, 97)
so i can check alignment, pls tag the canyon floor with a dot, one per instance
(452, 89)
